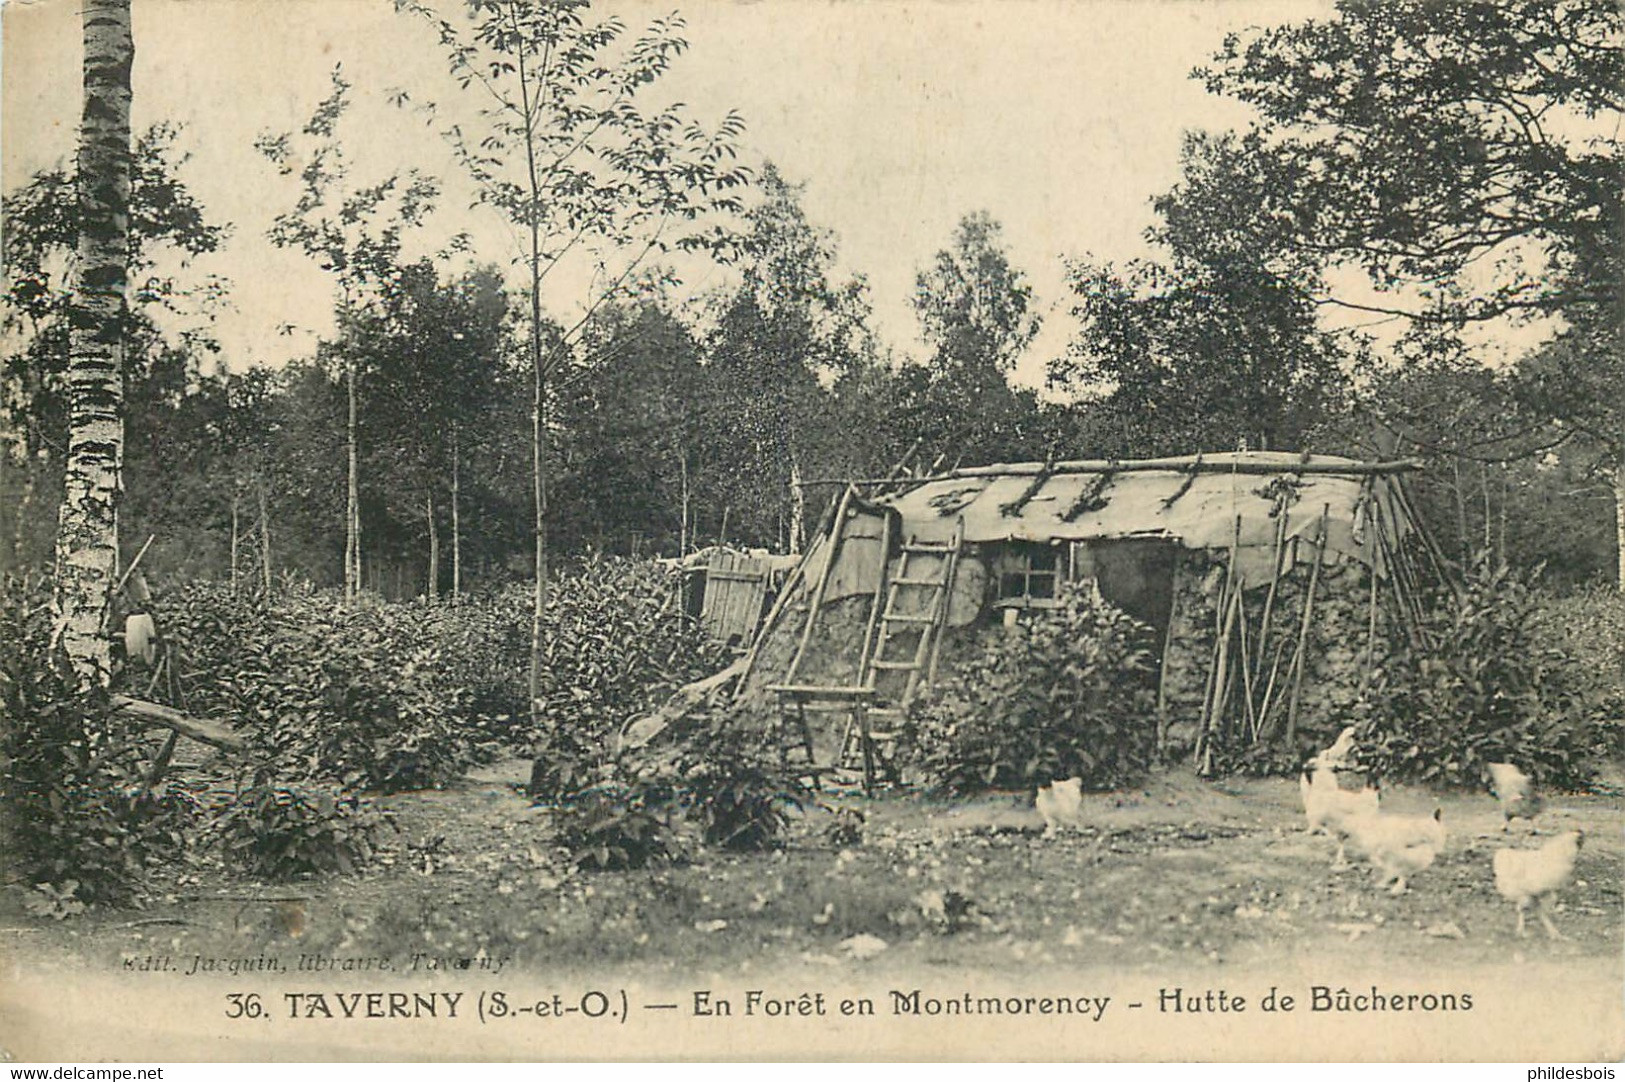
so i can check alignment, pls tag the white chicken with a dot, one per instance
(1525, 875)
(1337, 757)
(1516, 793)
(1060, 804)
(1328, 807)
(1398, 846)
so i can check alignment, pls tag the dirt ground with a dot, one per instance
(1183, 871)
(1181, 887)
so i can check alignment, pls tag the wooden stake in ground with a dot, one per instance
(87, 527)
(1303, 631)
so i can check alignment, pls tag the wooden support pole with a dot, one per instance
(1251, 469)
(1430, 544)
(1410, 609)
(1162, 667)
(1278, 550)
(1264, 727)
(1370, 635)
(1303, 631)
(1222, 674)
(128, 571)
(1213, 696)
(822, 585)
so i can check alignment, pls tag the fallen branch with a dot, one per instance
(200, 729)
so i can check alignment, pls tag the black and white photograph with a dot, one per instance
(812, 530)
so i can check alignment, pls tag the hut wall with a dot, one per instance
(1334, 660)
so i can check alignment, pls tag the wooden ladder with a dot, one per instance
(916, 607)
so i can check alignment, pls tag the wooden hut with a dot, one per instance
(1266, 577)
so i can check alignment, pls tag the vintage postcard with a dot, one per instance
(812, 530)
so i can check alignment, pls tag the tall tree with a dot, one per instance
(87, 544)
(976, 312)
(353, 231)
(42, 235)
(1466, 156)
(572, 153)
(1216, 344)
(433, 350)
(633, 430)
(782, 337)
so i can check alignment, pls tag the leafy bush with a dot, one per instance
(616, 648)
(614, 826)
(79, 820)
(714, 779)
(355, 696)
(1065, 692)
(1488, 686)
(1588, 628)
(275, 832)
(404, 696)
(725, 774)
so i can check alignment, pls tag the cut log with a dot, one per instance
(203, 730)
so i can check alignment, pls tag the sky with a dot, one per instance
(1061, 118)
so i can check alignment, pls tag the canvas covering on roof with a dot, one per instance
(1205, 507)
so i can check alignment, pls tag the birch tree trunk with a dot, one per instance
(682, 526)
(798, 504)
(87, 527)
(265, 539)
(434, 549)
(352, 498)
(456, 518)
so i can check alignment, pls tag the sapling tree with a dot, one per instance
(354, 232)
(570, 145)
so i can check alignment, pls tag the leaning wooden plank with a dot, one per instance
(200, 729)
(822, 585)
(639, 731)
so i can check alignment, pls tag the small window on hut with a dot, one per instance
(1029, 576)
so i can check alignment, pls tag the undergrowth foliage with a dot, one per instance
(275, 832)
(79, 820)
(713, 779)
(1064, 693)
(616, 648)
(1487, 684)
(355, 696)
(337, 699)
